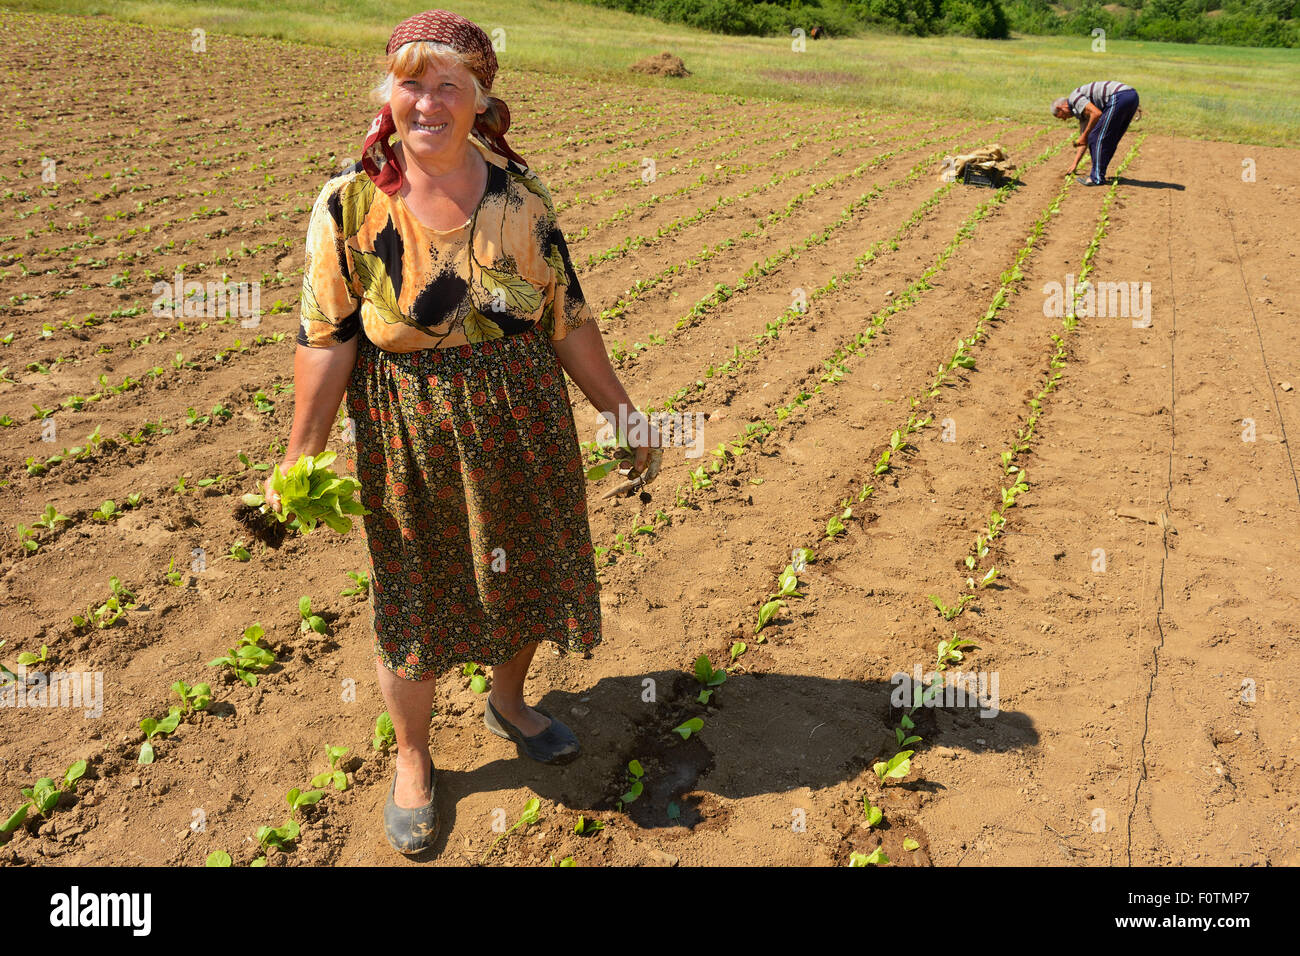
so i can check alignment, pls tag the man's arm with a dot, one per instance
(1093, 114)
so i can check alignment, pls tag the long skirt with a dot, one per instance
(478, 534)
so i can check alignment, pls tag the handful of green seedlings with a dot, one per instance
(313, 494)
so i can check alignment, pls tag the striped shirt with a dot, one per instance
(1099, 94)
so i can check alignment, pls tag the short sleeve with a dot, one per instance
(566, 306)
(329, 310)
(1076, 100)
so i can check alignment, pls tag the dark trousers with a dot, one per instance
(1106, 134)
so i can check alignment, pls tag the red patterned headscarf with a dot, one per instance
(435, 26)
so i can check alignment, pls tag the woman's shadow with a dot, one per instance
(761, 733)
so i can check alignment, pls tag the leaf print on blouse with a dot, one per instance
(355, 198)
(547, 322)
(479, 328)
(378, 287)
(534, 186)
(308, 307)
(556, 261)
(516, 291)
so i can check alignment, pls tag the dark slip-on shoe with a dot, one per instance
(412, 830)
(556, 744)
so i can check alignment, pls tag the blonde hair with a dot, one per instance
(412, 59)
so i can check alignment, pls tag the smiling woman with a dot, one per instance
(439, 293)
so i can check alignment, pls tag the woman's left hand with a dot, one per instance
(641, 464)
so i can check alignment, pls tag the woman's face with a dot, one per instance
(434, 112)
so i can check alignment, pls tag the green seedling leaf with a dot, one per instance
(385, 735)
(298, 799)
(874, 814)
(766, 613)
(875, 858)
(73, 774)
(692, 726)
(16, 819)
(218, 858)
(896, 768)
(27, 658)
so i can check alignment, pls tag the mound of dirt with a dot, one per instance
(665, 64)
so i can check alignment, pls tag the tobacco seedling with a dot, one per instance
(528, 816)
(27, 537)
(706, 675)
(477, 682)
(951, 612)
(192, 698)
(692, 726)
(297, 799)
(43, 795)
(157, 728)
(874, 858)
(385, 735)
(788, 583)
(276, 836)
(361, 584)
(313, 494)
(51, 517)
(247, 657)
(173, 576)
(238, 552)
(949, 651)
(874, 814)
(585, 827)
(333, 774)
(766, 613)
(896, 768)
(218, 858)
(635, 774)
(27, 658)
(737, 649)
(310, 621)
(989, 577)
(903, 739)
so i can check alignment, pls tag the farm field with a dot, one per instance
(882, 384)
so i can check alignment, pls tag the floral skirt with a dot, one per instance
(479, 541)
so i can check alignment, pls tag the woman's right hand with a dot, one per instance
(270, 495)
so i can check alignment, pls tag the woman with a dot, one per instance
(438, 291)
(1104, 110)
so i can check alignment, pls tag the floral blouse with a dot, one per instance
(371, 265)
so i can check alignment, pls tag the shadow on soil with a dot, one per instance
(762, 733)
(1151, 184)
